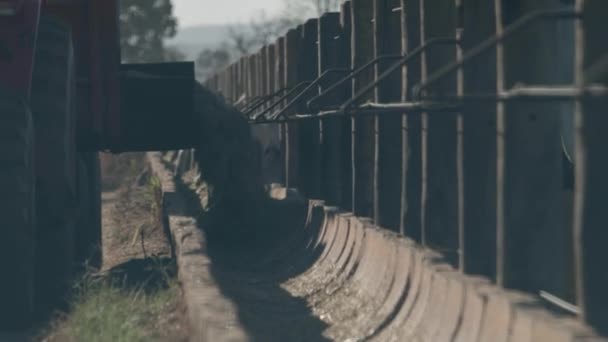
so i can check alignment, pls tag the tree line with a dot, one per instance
(146, 24)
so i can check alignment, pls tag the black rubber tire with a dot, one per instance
(17, 209)
(88, 231)
(53, 107)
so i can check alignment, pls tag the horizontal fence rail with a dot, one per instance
(476, 128)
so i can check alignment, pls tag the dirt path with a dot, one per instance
(129, 228)
(138, 271)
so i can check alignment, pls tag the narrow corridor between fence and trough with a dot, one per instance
(135, 296)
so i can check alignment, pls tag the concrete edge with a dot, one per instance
(211, 316)
(503, 307)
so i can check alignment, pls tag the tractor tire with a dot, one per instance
(53, 107)
(88, 231)
(17, 211)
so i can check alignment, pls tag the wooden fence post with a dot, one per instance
(363, 127)
(479, 145)
(309, 129)
(411, 200)
(346, 145)
(387, 166)
(241, 78)
(533, 200)
(591, 167)
(270, 70)
(439, 135)
(280, 84)
(263, 73)
(330, 57)
(251, 68)
(292, 41)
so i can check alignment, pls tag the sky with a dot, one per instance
(199, 12)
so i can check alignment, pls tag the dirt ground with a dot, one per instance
(133, 232)
(136, 250)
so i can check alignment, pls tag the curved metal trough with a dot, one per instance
(315, 273)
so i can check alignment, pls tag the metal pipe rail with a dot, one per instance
(298, 98)
(525, 21)
(280, 100)
(263, 101)
(347, 106)
(397, 66)
(373, 109)
(529, 93)
(350, 76)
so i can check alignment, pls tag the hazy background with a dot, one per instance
(211, 33)
(205, 24)
(209, 12)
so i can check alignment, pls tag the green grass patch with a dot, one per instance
(113, 308)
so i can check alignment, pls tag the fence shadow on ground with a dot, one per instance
(249, 265)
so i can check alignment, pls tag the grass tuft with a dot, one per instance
(110, 308)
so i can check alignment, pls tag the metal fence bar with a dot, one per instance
(500, 140)
(448, 153)
(310, 86)
(498, 39)
(416, 53)
(371, 109)
(281, 101)
(411, 212)
(263, 101)
(541, 93)
(352, 74)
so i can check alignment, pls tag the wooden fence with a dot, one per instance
(477, 128)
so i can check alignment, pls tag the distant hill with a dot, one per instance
(192, 40)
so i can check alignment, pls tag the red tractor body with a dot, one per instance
(18, 28)
(94, 27)
(64, 96)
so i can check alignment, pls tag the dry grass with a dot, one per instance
(136, 296)
(120, 169)
(106, 310)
